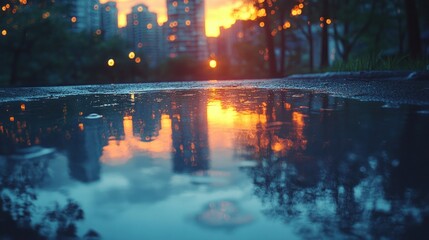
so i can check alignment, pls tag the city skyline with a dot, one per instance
(219, 13)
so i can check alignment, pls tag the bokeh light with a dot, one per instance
(213, 63)
(131, 55)
(111, 62)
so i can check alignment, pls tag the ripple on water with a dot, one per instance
(223, 214)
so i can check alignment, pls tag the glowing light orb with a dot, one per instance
(131, 55)
(213, 63)
(111, 63)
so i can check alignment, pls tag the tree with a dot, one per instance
(413, 28)
(324, 60)
(264, 8)
(30, 32)
(283, 10)
(39, 48)
(304, 23)
(351, 20)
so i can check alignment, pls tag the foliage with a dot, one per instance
(39, 48)
(353, 28)
(370, 62)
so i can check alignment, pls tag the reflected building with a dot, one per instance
(147, 119)
(20, 130)
(28, 166)
(116, 127)
(186, 29)
(85, 149)
(190, 133)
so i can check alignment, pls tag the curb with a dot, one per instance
(365, 75)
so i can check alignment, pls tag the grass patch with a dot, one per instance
(376, 63)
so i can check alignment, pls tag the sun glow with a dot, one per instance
(223, 116)
(218, 13)
(213, 63)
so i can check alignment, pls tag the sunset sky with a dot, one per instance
(218, 12)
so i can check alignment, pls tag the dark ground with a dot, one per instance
(392, 87)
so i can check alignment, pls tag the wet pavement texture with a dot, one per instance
(396, 91)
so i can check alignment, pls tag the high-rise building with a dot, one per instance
(142, 33)
(109, 19)
(242, 31)
(186, 29)
(162, 41)
(84, 14)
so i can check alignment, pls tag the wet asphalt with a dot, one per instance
(396, 89)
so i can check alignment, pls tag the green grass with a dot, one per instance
(375, 63)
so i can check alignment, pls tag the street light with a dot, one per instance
(213, 63)
(111, 62)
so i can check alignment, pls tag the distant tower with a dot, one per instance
(109, 19)
(84, 14)
(163, 41)
(142, 33)
(186, 29)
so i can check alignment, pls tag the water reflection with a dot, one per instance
(189, 133)
(328, 167)
(86, 147)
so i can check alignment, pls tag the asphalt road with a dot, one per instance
(389, 90)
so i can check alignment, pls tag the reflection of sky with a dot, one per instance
(222, 141)
(121, 151)
(218, 12)
(138, 193)
(148, 201)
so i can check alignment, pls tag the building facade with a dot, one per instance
(186, 29)
(143, 33)
(84, 14)
(109, 19)
(242, 31)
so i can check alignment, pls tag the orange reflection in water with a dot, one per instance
(259, 130)
(227, 117)
(119, 152)
(299, 124)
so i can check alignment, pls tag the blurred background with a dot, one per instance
(64, 42)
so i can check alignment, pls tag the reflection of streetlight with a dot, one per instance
(111, 63)
(138, 60)
(213, 63)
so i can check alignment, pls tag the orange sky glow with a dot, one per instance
(218, 12)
